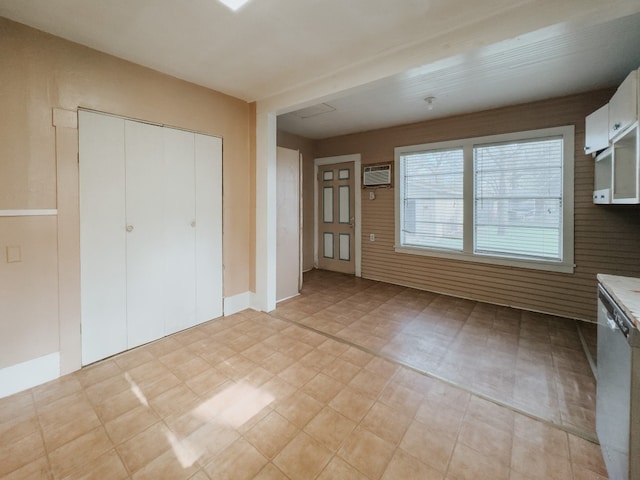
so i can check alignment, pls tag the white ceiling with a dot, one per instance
(371, 60)
(539, 65)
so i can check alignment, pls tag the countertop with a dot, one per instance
(626, 292)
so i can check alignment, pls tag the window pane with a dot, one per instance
(344, 208)
(327, 244)
(432, 213)
(345, 246)
(518, 201)
(327, 204)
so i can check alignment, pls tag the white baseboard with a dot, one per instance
(17, 378)
(237, 303)
(253, 301)
(287, 298)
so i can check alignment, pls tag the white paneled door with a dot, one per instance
(150, 230)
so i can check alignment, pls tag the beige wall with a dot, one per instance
(606, 237)
(38, 170)
(307, 149)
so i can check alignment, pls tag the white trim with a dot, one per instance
(29, 212)
(237, 303)
(288, 298)
(357, 180)
(253, 301)
(467, 144)
(31, 373)
(266, 207)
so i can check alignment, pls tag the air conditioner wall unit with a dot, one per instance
(377, 175)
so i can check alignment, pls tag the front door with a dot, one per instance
(336, 217)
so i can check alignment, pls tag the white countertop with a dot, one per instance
(626, 292)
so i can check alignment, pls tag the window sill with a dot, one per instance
(549, 266)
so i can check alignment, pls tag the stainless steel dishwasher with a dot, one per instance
(618, 390)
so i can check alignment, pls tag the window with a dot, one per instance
(433, 197)
(505, 199)
(518, 200)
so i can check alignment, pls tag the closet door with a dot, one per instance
(179, 230)
(103, 267)
(208, 155)
(145, 232)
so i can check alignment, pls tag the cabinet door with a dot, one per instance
(597, 130)
(623, 106)
(179, 230)
(102, 236)
(208, 154)
(145, 232)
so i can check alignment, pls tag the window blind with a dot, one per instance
(518, 198)
(433, 199)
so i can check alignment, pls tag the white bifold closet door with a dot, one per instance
(208, 228)
(179, 230)
(103, 260)
(145, 220)
(150, 230)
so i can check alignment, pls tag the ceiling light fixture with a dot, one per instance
(234, 4)
(430, 99)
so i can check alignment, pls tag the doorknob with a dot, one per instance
(193, 224)
(129, 228)
(351, 222)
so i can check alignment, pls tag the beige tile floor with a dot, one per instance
(533, 362)
(251, 396)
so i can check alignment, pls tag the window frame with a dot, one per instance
(467, 253)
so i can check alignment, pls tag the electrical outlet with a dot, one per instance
(372, 237)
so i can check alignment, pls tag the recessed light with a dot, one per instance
(234, 4)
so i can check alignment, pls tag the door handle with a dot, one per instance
(129, 228)
(351, 222)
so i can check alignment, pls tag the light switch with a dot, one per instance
(14, 254)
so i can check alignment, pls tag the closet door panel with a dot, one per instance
(179, 230)
(102, 235)
(208, 155)
(145, 232)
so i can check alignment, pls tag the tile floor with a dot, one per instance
(533, 362)
(252, 396)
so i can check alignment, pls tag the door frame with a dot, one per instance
(356, 159)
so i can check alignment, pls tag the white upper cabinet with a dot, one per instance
(597, 130)
(626, 167)
(623, 106)
(617, 169)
